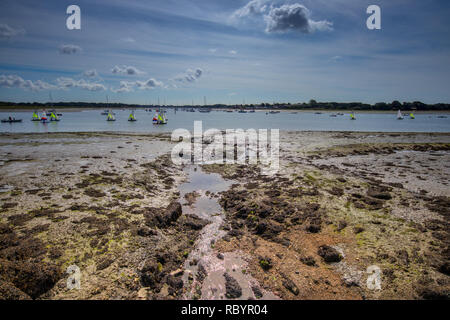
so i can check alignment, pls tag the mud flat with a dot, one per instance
(139, 227)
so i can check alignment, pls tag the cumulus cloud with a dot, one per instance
(90, 73)
(7, 32)
(69, 49)
(282, 19)
(149, 84)
(294, 17)
(68, 83)
(190, 75)
(128, 70)
(129, 86)
(253, 8)
(14, 81)
(124, 86)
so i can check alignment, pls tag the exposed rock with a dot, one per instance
(232, 287)
(173, 212)
(309, 261)
(150, 274)
(32, 278)
(257, 292)
(9, 292)
(329, 254)
(290, 285)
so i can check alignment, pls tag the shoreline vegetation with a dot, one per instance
(312, 105)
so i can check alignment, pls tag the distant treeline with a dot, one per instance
(312, 104)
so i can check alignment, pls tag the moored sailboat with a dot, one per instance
(160, 117)
(110, 116)
(132, 117)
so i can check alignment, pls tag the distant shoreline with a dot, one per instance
(79, 109)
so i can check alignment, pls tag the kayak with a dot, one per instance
(11, 120)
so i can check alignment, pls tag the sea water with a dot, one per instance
(92, 120)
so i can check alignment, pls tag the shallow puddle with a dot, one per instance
(204, 270)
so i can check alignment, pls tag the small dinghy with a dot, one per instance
(11, 120)
(35, 117)
(160, 118)
(132, 117)
(399, 115)
(110, 117)
(54, 117)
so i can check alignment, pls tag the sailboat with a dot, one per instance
(132, 117)
(35, 117)
(352, 116)
(411, 116)
(53, 116)
(110, 116)
(160, 118)
(399, 115)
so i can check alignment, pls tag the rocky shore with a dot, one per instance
(111, 205)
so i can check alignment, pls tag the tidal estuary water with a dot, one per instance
(92, 120)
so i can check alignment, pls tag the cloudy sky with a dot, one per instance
(227, 50)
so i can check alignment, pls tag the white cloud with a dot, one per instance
(281, 19)
(125, 86)
(129, 86)
(69, 49)
(14, 81)
(128, 70)
(149, 84)
(212, 50)
(233, 52)
(67, 83)
(293, 17)
(90, 73)
(253, 8)
(190, 75)
(7, 32)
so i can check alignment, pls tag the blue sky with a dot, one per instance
(229, 51)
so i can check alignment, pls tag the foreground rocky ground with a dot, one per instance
(340, 203)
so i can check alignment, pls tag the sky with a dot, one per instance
(224, 51)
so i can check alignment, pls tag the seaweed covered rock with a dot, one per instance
(150, 273)
(9, 292)
(329, 254)
(32, 278)
(163, 218)
(232, 287)
(173, 212)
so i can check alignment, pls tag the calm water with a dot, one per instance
(92, 120)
